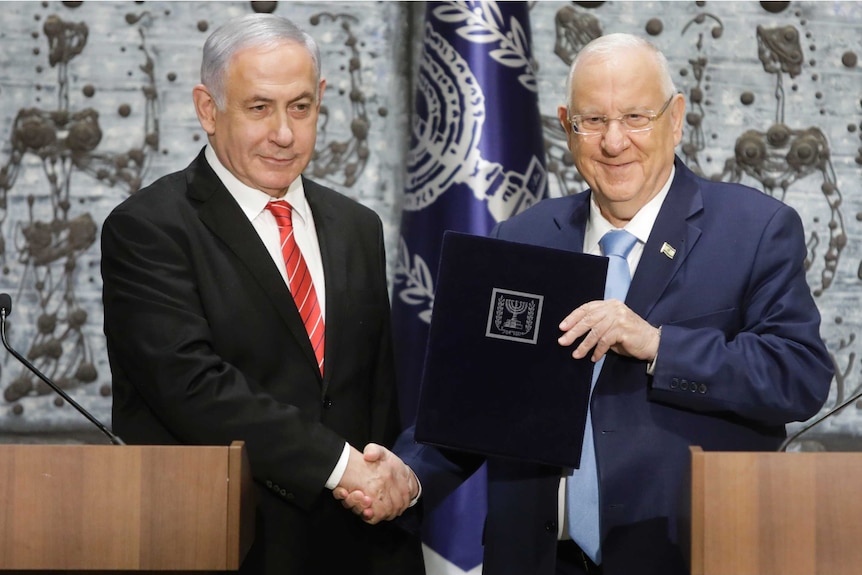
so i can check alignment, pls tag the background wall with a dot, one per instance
(95, 100)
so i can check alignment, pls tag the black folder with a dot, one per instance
(495, 381)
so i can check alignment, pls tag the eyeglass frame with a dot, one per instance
(606, 121)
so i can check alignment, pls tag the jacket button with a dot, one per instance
(327, 402)
(288, 495)
(269, 483)
(683, 385)
(702, 388)
(673, 383)
(551, 526)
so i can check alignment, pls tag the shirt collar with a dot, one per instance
(253, 201)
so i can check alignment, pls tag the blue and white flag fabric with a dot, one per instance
(476, 158)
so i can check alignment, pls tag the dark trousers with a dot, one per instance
(572, 561)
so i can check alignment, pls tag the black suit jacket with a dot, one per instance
(206, 346)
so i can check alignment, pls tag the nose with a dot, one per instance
(615, 139)
(281, 131)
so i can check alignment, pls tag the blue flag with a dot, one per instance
(476, 157)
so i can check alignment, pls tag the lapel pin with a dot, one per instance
(668, 250)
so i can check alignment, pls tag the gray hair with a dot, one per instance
(250, 31)
(607, 46)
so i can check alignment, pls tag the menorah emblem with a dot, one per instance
(511, 326)
(516, 308)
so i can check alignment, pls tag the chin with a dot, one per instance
(279, 183)
(621, 193)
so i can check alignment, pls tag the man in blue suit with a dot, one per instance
(716, 343)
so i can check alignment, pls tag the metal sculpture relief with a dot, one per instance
(46, 245)
(341, 162)
(781, 155)
(696, 139)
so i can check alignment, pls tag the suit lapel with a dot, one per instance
(333, 253)
(220, 213)
(572, 225)
(672, 238)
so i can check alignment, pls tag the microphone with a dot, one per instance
(6, 311)
(853, 398)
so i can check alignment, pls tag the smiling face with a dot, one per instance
(624, 170)
(266, 132)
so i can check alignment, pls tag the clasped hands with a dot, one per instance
(376, 485)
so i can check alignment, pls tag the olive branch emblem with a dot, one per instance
(419, 283)
(484, 24)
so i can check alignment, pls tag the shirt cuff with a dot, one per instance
(650, 366)
(340, 468)
(415, 500)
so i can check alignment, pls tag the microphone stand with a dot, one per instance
(110, 435)
(855, 397)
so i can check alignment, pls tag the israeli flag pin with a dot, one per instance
(668, 250)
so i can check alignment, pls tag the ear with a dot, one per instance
(205, 107)
(677, 114)
(563, 115)
(320, 91)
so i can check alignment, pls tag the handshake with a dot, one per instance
(376, 485)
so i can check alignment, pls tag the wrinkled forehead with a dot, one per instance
(626, 77)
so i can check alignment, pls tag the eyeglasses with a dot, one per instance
(637, 121)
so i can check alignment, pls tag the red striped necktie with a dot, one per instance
(299, 278)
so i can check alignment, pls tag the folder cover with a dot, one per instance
(495, 381)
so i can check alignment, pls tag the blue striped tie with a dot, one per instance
(582, 489)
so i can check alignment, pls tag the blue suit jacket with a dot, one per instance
(740, 356)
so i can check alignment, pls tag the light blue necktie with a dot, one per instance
(582, 488)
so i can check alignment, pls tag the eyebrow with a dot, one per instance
(268, 99)
(635, 108)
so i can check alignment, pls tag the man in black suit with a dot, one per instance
(205, 341)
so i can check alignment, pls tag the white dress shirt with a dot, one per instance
(639, 226)
(253, 204)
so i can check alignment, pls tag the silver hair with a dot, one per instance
(250, 31)
(607, 46)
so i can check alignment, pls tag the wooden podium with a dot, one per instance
(108, 508)
(762, 513)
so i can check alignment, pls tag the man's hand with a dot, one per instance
(609, 325)
(377, 485)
